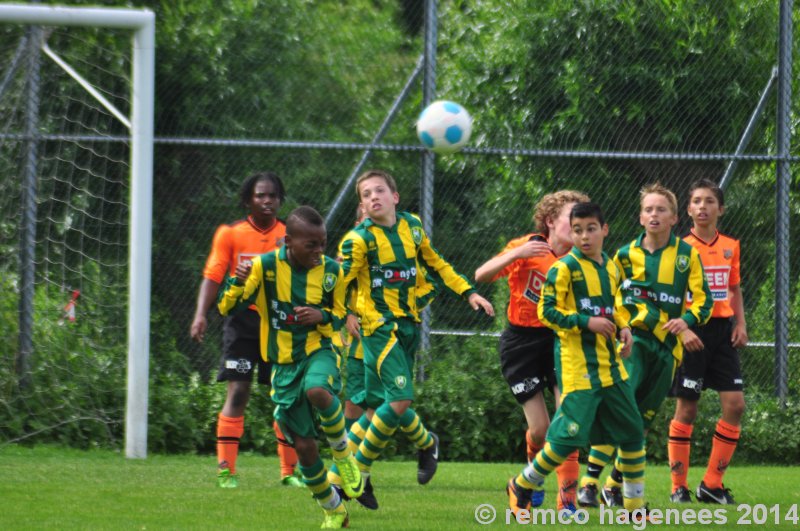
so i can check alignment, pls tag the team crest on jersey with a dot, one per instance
(727, 253)
(573, 428)
(416, 235)
(682, 263)
(328, 281)
(400, 382)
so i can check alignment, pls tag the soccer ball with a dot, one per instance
(444, 127)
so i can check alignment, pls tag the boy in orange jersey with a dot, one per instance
(526, 346)
(717, 365)
(262, 194)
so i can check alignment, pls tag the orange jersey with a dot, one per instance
(239, 242)
(525, 280)
(720, 258)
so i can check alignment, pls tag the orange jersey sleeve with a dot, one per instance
(525, 280)
(720, 258)
(238, 242)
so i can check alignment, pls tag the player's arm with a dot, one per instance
(553, 310)
(205, 298)
(214, 273)
(702, 302)
(242, 290)
(495, 267)
(739, 336)
(353, 251)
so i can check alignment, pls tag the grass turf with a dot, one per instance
(55, 488)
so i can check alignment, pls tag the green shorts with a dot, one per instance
(291, 382)
(597, 416)
(354, 384)
(651, 367)
(389, 362)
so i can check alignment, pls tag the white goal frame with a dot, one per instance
(142, 23)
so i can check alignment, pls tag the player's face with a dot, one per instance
(377, 199)
(305, 245)
(588, 235)
(704, 208)
(560, 238)
(656, 215)
(264, 203)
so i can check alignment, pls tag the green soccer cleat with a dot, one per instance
(336, 518)
(352, 483)
(226, 480)
(292, 481)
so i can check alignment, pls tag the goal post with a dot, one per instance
(142, 23)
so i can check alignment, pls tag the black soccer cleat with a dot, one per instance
(367, 498)
(612, 497)
(587, 496)
(428, 461)
(681, 495)
(721, 495)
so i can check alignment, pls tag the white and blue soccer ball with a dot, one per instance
(444, 127)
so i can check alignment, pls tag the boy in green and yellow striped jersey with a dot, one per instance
(658, 270)
(299, 294)
(597, 403)
(382, 254)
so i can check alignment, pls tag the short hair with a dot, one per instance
(710, 185)
(376, 173)
(249, 186)
(550, 207)
(658, 188)
(303, 215)
(587, 210)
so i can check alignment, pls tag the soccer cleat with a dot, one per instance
(587, 496)
(352, 483)
(568, 511)
(638, 515)
(612, 496)
(537, 498)
(721, 495)
(681, 495)
(336, 518)
(428, 461)
(368, 499)
(518, 497)
(226, 480)
(292, 481)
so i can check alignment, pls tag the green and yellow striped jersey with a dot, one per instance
(383, 261)
(276, 288)
(655, 286)
(575, 289)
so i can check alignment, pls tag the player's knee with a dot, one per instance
(686, 411)
(238, 395)
(733, 410)
(538, 434)
(319, 397)
(400, 406)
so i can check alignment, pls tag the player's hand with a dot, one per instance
(308, 316)
(691, 342)
(532, 249)
(626, 338)
(352, 326)
(739, 336)
(676, 326)
(602, 326)
(243, 271)
(198, 328)
(478, 302)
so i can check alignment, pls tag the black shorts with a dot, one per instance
(526, 359)
(241, 351)
(715, 367)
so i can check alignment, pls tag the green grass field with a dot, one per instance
(53, 488)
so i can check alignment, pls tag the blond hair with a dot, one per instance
(658, 188)
(376, 173)
(549, 207)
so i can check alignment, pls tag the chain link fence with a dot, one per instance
(601, 97)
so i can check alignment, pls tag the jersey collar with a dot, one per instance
(704, 242)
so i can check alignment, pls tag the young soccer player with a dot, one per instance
(526, 345)
(658, 269)
(382, 254)
(717, 365)
(299, 293)
(597, 403)
(262, 194)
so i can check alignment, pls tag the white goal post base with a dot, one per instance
(142, 23)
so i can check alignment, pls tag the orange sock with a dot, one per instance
(229, 431)
(286, 453)
(678, 449)
(531, 447)
(725, 438)
(567, 473)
